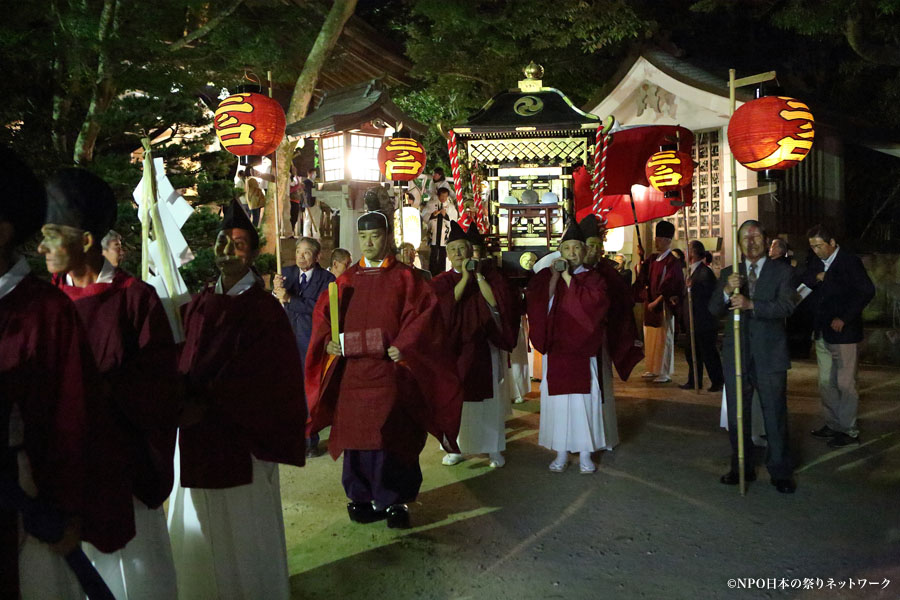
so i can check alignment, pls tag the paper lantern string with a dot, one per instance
(457, 179)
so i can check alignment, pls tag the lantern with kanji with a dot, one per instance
(771, 133)
(401, 159)
(249, 124)
(669, 171)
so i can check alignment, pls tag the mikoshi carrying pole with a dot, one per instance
(277, 199)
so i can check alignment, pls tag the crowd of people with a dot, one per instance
(103, 416)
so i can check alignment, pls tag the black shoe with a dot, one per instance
(784, 486)
(364, 512)
(734, 478)
(398, 516)
(841, 439)
(687, 386)
(824, 432)
(716, 387)
(314, 452)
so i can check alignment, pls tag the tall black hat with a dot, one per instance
(23, 201)
(591, 226)
(664, 229)
(80, 199)
(474, 236)
(456, 233)
(573, 232)
(236, 218)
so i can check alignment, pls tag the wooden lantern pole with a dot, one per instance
(277, 199)
(687, 276)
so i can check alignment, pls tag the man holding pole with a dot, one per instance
(660, 283)
(700, 285)
(242, 416)
(762, 291)
(375, 372)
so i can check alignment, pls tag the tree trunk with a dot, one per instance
(104, 87)
(328, 36)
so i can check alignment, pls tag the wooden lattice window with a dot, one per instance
(705, 216)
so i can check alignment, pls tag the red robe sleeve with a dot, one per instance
(622, 341)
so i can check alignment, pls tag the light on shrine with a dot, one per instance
(669, 171)
(249, 124)
(401, 159)
(771, 133)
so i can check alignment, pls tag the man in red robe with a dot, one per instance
(48, 406)
(481, 320)
(131, 340)
(242, 416)
(567, 306)
(660, 283)
(384, 383)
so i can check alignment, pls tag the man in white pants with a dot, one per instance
(660, 282)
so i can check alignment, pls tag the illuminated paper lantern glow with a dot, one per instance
(401, 159)
(669, 171)
(771, 133)
(249, 124)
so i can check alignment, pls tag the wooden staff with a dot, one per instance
(687, 277)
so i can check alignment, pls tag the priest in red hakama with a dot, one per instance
(384, 383)
(48, 410)
(481, 319)
(242, 417)
(622, 346)
(131, 340)
(660, 283)
(567, 306)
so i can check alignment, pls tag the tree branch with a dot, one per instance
(469, 77)
(887, 202)
(880, 54)
(206, 28)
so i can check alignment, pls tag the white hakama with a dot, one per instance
(143, 569)
(42, 572)
(517, 365)
(577, 422)
(229, 544)
(659, 347)
(482, 426)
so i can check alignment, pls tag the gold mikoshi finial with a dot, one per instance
(533, 71)
(532, 82)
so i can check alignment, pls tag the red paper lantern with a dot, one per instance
(249, 124)
(401, 159)
(669, 170)
(772, 132)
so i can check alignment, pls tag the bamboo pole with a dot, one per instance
(735, 261)
(160, 236)
(687, 276)
(145, 212)
(277, 199)
(333, 312)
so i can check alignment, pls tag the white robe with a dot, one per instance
(482, 427)
(517, 365)
(659, 347)
(577, 422)
(757, 424)
(143, 569)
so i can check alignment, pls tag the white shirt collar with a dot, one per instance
(10, 279)
(694, 266)
(308, 272)
(107, 272)
(580, 269)
(371, 264)
(827, 262)
(244, 283)
(663, 255)
(759, 265)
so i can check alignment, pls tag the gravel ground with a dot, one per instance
(653, 522)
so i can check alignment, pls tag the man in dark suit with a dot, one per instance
(700, 286)
(764, 294)
(298, 288)
(841, 290)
